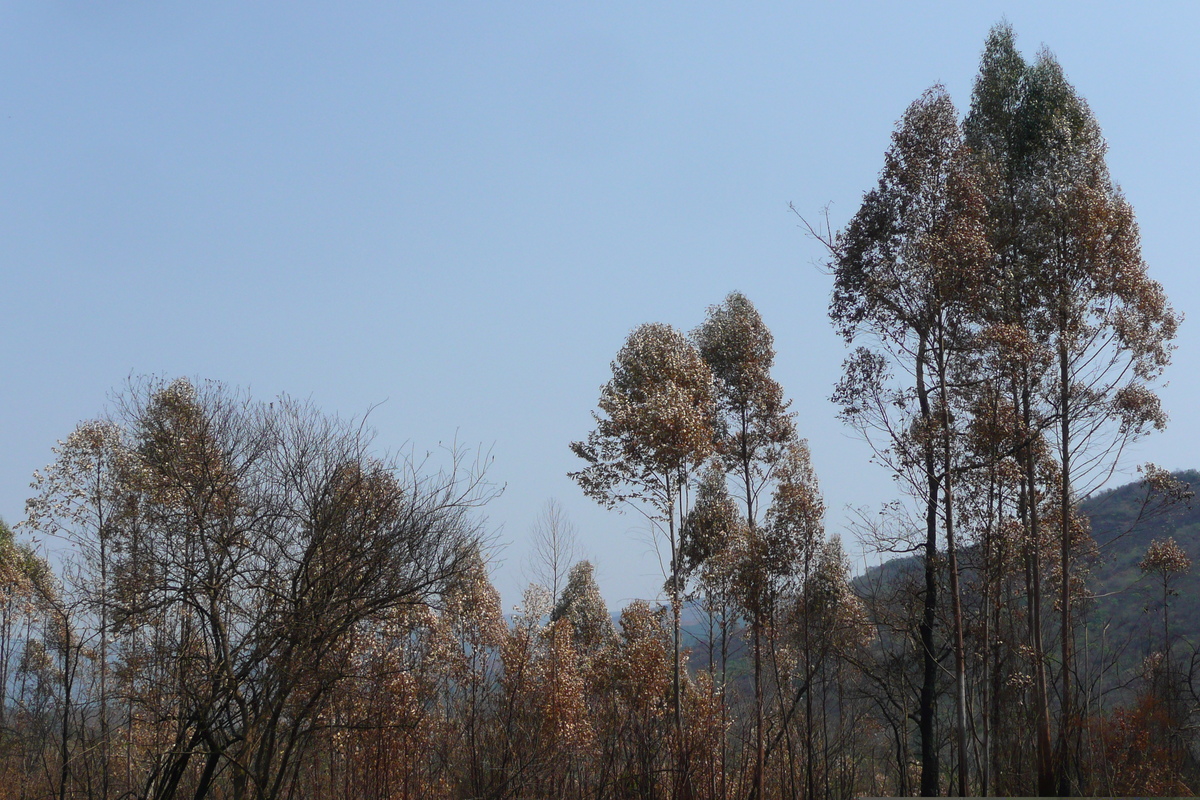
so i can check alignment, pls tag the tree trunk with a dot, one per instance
(927, 708)
(960, 664)
(1064, 726)
(1046, 782)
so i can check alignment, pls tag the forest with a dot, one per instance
(216, 596)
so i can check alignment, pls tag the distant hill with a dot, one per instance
(1126, 600)
(1125, 616)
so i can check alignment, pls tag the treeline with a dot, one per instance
(250, 603)
(245, 602)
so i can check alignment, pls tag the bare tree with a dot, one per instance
(258, 541)
(554, 547)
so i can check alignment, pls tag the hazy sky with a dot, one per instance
(458, 211)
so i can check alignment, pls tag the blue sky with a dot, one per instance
(458, 211)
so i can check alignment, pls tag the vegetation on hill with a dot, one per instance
(1128, 603)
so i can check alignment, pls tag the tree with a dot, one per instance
(1165, 560)
(713, 541)
(792, 539)
(258, 540)
(754, 430)
(582, 606)
(653, 429)
(1072, 281)
(83, 498)
(470, 632)
(24, 577)
(754, 424)
(908, 274)
(554, 547)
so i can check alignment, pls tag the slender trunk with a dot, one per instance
(6, 639)
(65, 731)
(809, 757)
(960, 665)
(712, 671)
(206, 777)
(1166, 637)
(676, 614)
(825, 759)
(985, 763)
(757, 620)
(724, 699)
(759, 752)
(104, 750)
(927, 708)
(1046, 782)
(1064, 727)
(1004, 591)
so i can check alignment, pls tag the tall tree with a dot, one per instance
(714, 538)
(793, 537)
(994, 130)
(1073, 281)
(754, 430)
(83, 498)
(908, 272)
(653, 429)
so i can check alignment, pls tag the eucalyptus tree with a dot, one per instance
(754, 425)
(792, 543)
(994, 129)
(654, 428)
(988, 496)
(754, 428)
(832, 630)
(1072, 284)
(714, 537)
(470, 633)
(713, 533)
(1165, 560)
(24, 576)
(910, 270)
(581, 605)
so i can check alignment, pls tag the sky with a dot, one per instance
(452, 214)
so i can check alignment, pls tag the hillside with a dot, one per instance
(1127, 601)
(1126, 616)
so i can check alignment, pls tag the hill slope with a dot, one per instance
(1128, 601)
(1125, 619)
